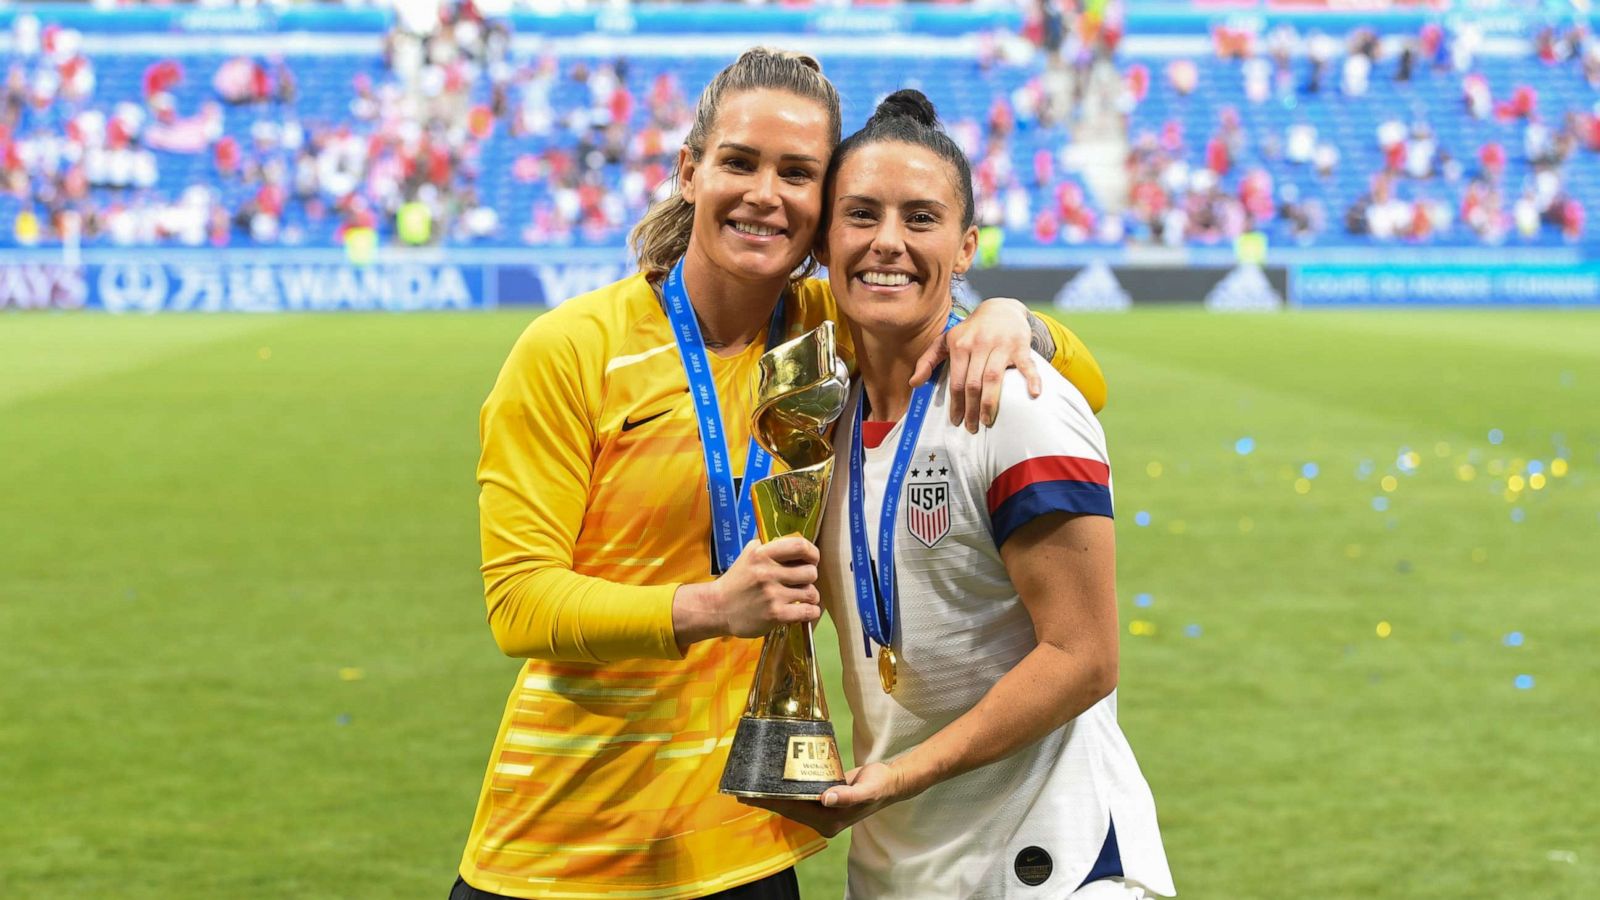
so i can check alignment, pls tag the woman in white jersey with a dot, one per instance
(614, 523)
(971, 577)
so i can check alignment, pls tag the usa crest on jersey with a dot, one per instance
(927, 498)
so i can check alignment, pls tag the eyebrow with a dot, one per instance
(862, 198)
(746, 148)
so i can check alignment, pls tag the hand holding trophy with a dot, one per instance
(784, 746)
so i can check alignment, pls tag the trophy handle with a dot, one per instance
(802, 391)
(792, 502)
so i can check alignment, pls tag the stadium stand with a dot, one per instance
(1367, 140)
(297, 150)
(456, 138)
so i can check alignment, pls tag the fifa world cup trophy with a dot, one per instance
(785, 746)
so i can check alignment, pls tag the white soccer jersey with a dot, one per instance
(1038, 823)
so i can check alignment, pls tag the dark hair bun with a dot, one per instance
(908, 103)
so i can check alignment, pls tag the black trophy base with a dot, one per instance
(793, 759)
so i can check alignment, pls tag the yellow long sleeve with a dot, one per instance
(537, 433)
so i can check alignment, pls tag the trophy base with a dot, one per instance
(784, 759)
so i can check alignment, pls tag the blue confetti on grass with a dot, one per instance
(1309, 470)
(1244, 446)
(1524, 682)
(1191, 630)
(1518, 514)
(1381, 504)
(1514, 639)
(342, 719)
(1141, 519)
(1496, 436)
(1535, 467)
(1143, 600)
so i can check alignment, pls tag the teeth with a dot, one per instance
(758, 230)
(886, 279)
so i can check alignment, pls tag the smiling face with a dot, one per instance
(757, 187)
(895, 237)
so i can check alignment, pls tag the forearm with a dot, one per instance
(1048, 688)
(555, 613)
(1042, 340)
(696, 615)
(1072, 359)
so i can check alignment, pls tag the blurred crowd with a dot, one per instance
(405, 160)
(1223, 185)
(404, 154)
(604, 183)
(1025, 179)
(215, 151)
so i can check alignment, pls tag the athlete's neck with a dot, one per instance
(888, 357)
(733, 311)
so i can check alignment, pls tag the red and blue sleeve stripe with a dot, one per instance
(1047, 484)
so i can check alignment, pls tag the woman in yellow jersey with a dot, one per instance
(614, 528)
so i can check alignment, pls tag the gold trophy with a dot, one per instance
(784, 746)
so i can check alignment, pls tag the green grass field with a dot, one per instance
(242, 650)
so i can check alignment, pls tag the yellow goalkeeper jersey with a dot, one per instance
(603, 778)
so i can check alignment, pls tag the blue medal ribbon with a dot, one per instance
(733, 517)
(875, 587)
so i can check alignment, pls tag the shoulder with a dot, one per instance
(1043, 454)
(588, 324)
(604, 310)
(1057, 422)
(814, 290)
(814, 303)
(1060, 398)
(571, 343)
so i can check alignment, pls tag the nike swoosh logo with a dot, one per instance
(631, 424)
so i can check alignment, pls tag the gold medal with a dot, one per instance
(886, 673)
